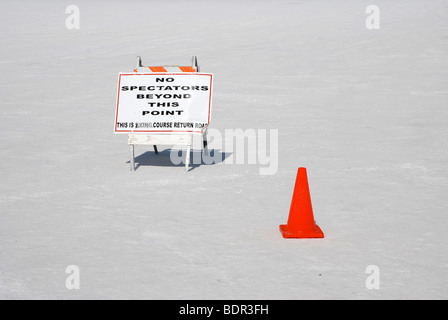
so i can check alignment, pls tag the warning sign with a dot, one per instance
(163, 102)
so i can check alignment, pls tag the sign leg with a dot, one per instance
(187, 160)
(131, 149)
(205, 143)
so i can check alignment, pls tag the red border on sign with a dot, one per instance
(162, 74)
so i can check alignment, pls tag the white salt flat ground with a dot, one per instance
(365, 111)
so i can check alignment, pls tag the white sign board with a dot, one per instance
(163, 102)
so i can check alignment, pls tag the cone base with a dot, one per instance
(287, 233)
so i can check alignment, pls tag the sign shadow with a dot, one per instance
(164, 158)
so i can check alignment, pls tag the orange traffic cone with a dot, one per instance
(301, 222)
